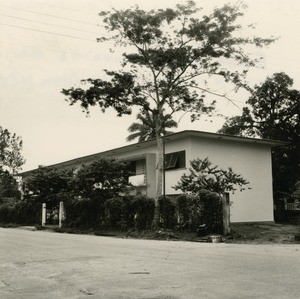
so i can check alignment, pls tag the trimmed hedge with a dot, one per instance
(123, 213)
(21, 212)
(167, 211)
(203, 209)
(119, 213)
(142, 208)
(84, 213)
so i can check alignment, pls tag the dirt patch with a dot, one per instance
(241, 233)
(264, 234)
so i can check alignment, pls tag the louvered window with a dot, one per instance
(175, 160)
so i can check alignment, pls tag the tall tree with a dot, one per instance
(171, 55)
(10, 151)
(273, 113)
(11, 161)
(146, 128)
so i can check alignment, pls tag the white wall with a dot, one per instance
(253, 162)
(174, 175)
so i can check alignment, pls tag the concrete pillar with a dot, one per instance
(226, 213)
(61, 215)
(151, 174)
(44, 213)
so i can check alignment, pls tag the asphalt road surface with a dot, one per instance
(41, 264)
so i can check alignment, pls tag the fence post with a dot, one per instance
(44, 212)
(61, 213)
(226, 213)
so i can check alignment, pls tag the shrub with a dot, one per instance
(194, 211)
(167, 212)
(183, 211)
(84, 213)
(21, 212)
(129, 212)
(212, 211)
(114, 213)
(203, 175)
(143, 208)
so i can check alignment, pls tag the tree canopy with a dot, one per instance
(10, 151)
(11, 161)
(273, 113)
(171, 56)
(100, 179)
(103, 178)
(8, 187)
(49, 185)
(169, 50)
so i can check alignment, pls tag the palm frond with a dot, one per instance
(145, 129)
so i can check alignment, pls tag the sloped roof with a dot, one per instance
(172, 136)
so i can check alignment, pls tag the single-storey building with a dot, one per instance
(249, 157)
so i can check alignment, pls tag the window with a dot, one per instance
(175, 160)
(137, 167)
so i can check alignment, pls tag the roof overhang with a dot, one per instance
(151, 142)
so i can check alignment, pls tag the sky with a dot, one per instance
(48, 45)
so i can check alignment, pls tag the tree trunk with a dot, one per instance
(159, 186)
(226, 214)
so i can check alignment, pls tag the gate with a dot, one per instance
(53, 216)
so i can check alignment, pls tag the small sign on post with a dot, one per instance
(61, 215)
(44, 213)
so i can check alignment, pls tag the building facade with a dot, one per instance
(246, 156)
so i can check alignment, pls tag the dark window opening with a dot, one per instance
(132, 166)
(175, 160)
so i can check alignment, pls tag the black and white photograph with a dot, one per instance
(149, 149)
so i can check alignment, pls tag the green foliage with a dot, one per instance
(203, 175)
(196, 210)
(84, 191)
(167, 212)
(49, 185)
(172, 48)
(10, 151)
(103, 178)
(146, 128)
(8, 187)
(114, 212)
(84, 213)
(98, 180)
(118, 213)
(273, 113)
(171, 59)
(20, 212)
(139, 211)
(296, 193)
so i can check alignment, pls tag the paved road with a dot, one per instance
(41, 264)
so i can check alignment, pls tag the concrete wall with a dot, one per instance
(174, 175)
(146, 162)
(253, 162)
